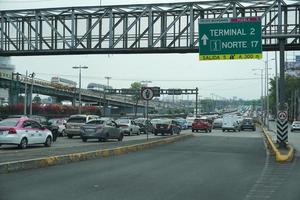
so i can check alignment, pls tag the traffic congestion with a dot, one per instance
(23, 131)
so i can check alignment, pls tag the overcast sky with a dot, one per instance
(223, 78)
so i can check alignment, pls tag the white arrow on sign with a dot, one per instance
(204, 39)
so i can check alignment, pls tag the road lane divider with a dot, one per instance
(279, 156)
(9, 167)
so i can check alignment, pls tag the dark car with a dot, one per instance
(145, 125)
(248, 123)
(101, 130)
(166, 126)
(43, 121)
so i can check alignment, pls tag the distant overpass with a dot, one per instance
(16, 86)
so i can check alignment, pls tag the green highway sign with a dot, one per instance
(230, 38)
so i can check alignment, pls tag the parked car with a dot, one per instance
(101, 130)
(217, 123)
(167, 126)
(295, 126)
(75, 122)
(248, 123)
(43, 121)
(23, 132)
(145, 125)
(60, 123)
(128, 126)
(201, 125)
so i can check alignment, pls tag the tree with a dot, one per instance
(136, 97)
(291, 85)
(37, 99)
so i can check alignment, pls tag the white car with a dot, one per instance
(23, 132)
(128, 126)
(295, 126)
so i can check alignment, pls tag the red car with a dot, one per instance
(202, 125)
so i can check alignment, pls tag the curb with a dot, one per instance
(275, 151)
(76, 157)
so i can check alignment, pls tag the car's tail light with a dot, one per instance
(12, 131)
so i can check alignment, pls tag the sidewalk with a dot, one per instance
(293, 137)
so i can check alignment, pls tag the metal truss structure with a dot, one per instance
(147, 28)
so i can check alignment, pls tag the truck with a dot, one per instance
(231, 122)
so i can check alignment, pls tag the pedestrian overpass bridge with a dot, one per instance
(142, 28)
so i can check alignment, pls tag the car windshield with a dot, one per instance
(77, 120)
(9, 122)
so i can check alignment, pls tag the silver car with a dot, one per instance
(101, 129)
(75, 122)
(128, 126)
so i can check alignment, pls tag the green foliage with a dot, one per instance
(136, 98)
(291, 84)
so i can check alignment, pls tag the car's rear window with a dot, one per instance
(77, 120)
(9, 122)
(123, 121)
(96, 122)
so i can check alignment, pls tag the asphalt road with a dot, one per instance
(63, 146)
(210, 166)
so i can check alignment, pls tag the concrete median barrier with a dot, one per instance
(279, 156)
(8, 167)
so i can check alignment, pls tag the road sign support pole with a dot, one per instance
(282, 136)
(196, 101)
(147, 116)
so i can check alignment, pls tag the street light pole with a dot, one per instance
(80, 67)
(25, 95)
(262, 91)
(107, 103)
(31, 91)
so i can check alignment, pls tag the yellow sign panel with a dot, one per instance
(230, 56)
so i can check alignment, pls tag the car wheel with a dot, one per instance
(48, 142)
(63, 134)
(121, 137)
(138, 133)
(155, 133)
(70, 136)
(84, 140)
(178, 132)
(223, 130)
(193, 130)
(206, 130)
(210, 130)
(197, 130)
(23, 143)
(292, 130)
(172, 132)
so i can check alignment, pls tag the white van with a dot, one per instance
(230, 122)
